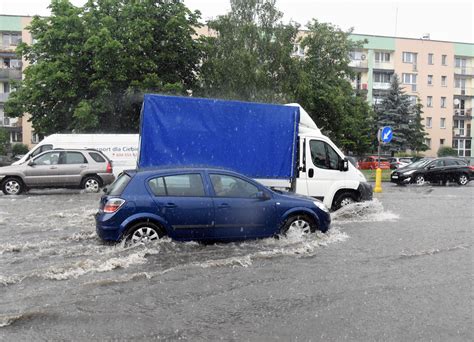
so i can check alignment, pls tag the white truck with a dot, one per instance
(122, 149)
(280, 146)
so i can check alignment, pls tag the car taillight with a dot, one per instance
(112, 205)
(471, 167)
(109, 168)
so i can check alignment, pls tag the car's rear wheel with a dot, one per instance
(420, 180)
(91, 184)
(144, 232)
(12, 186)
(463, 179)
(300, 223)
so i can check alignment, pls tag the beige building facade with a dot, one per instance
(439, 73)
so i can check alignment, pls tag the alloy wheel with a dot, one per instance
(301, 225)
(12, 187)
(144, 235)
(420, 180)
(463, 180)
(91, 185)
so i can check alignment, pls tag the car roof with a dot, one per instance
(172, 169)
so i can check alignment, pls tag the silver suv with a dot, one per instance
(86, 169)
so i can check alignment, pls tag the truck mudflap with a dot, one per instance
(366, 191)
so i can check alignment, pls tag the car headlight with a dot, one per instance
(408, 172)
(321, 206)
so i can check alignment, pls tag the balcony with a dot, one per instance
(464, 71)
(8, 122)
(462, 114)
(10, 73)
(381, 86)
(358, 64)
(384, 66)
(464, 91)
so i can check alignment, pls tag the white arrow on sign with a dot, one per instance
(387, 133)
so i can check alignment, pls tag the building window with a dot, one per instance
(409, 79)
(458, 126)
(430, 59)
(6, 87)
(459, 83)
(430, 79)
(9, 39)
(444, 59)
(428, 142)
(409, 57)
(413, 99)
(429, 121)
(442, 123)
(16, 137)
(441, 141)
(444, 81)
(443, 102)
(382, 57)
(381, 78)
(429, 101)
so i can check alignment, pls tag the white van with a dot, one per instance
(122, 149)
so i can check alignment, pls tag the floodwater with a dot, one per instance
(58, 281)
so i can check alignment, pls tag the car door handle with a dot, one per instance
(223, 206)
(83, 166)
(53, 167)
(170, 205)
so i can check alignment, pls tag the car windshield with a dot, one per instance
(117, 187)
(420, 163)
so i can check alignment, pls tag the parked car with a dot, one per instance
(398, 162)
(87, 169)
(434, 170)
(201, 204)
(4, 161)
(371, 163)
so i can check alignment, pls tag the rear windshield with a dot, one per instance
(97, 157)
(119, 185)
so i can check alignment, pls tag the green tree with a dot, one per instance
(416, 138)
(248, 56)
(91, 65)
(395, 111)
(323, 89)
(447, 151)
(19, 149)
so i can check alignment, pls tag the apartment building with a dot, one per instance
(440, 73)
(12, 32)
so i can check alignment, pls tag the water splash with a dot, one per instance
(369, 211)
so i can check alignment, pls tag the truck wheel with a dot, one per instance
(12, 186)
(343, 199)
(91, 184)
(143, 232)
(298, 222)
(463, 179)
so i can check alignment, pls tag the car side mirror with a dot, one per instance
(104, 190)
(262, 195)
(343, 164)
(31, 162)
(430, 167)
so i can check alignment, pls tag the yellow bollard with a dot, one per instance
(378, 180)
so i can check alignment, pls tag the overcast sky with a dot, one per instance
(450, 20)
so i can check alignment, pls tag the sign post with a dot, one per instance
(384, 135)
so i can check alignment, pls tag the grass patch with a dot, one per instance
(370, 175)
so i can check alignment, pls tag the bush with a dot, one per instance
(18, 149)
(446, 151)
(4, 141)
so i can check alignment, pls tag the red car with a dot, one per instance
(371, 163)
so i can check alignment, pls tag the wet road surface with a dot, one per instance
(396, 269)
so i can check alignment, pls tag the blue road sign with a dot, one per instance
(386, 134)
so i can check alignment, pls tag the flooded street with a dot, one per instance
(395, 269)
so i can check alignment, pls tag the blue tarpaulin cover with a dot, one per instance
(258, 140)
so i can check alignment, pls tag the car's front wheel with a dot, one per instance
(12, 186)
(420, 180)
(300, 223)
(344, 199)
(91, 184)
(463, 179)
(144, 232)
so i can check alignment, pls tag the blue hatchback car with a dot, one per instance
(201, 204)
